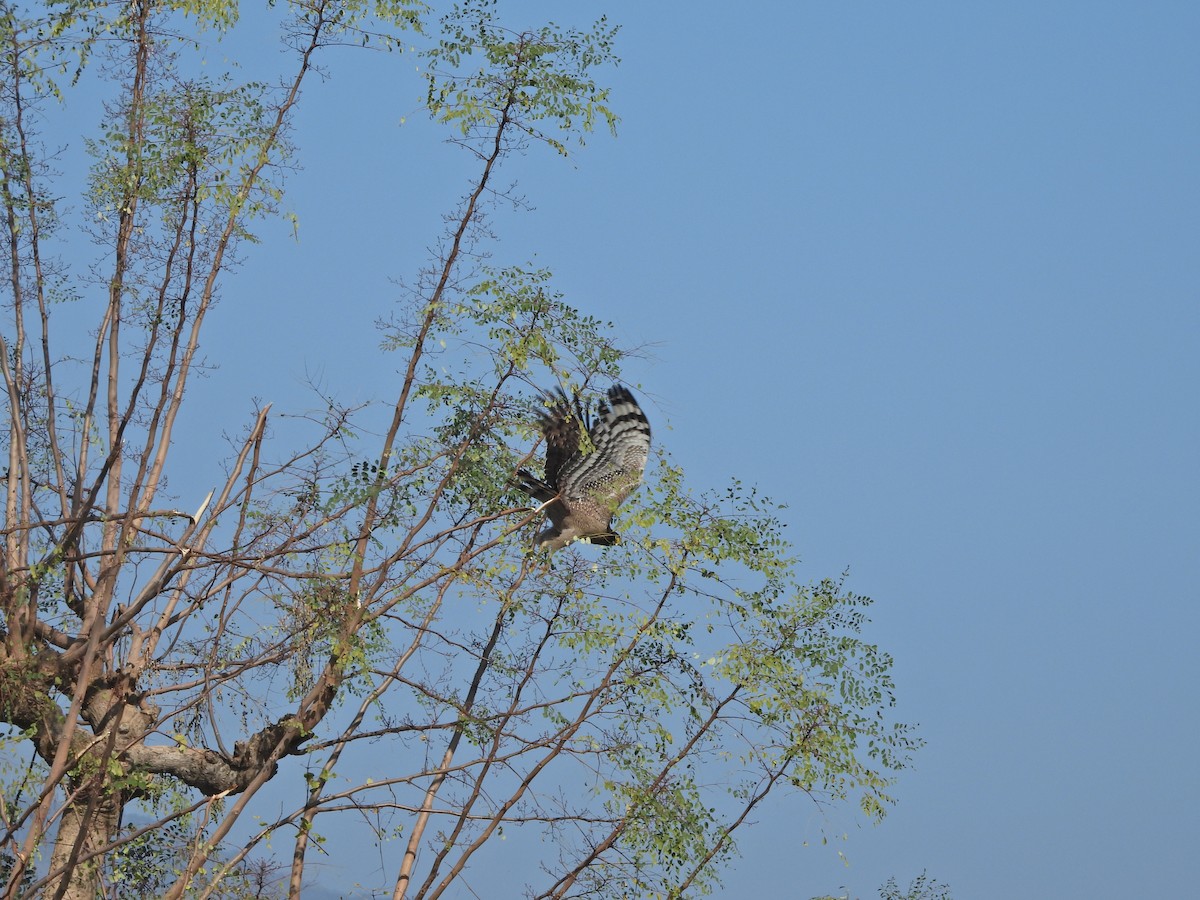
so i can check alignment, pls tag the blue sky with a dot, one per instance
(927, 272)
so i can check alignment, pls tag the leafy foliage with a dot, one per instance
(922, 888)
(149, 861)
(481, 75)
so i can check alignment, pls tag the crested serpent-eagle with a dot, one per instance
(591, 466)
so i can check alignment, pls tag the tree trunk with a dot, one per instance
(87, 825)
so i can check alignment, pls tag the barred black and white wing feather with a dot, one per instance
(588, 478)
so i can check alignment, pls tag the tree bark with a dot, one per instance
(87, 826)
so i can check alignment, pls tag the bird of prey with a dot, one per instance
(591, 466)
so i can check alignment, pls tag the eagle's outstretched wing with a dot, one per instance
(563, 425)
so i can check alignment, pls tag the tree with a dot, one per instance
(357, 587)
